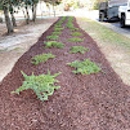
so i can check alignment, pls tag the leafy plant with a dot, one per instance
(70, 19)
(84, 67)
(41, 58)
(61, 20)
(74, 29)
(75, 39)
(78, 49)
(42, 85)
(58, 26)
(56, 33)
(58, 29)
(70, 25)
(52, 37)
(76, 34)
(54, 44)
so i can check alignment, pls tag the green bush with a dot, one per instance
(74, 29)
(52, 37)
(56, 44)
(76, 34)
(84, 67)
(42, 85)
(41, 58)
(78, 49)
(56, 33)
(75, 39)
(57, 29)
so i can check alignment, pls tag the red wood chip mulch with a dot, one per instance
(98, 101)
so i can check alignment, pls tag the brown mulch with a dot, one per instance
(84, 102)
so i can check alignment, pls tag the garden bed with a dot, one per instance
(95, 101)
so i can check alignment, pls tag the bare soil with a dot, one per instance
(84, 102)
(14, 45)
(117, 55)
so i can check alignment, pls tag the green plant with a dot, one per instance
(42, 85)
(61, 20)
(58, 29)
(70, 25)
(76, 34)
(74, 29)
(58, 25)
(52, 37)
(41, 58)
(75, 39)
(84, 67)
(56, 33)
(78, 49)
(70, 19)
(54, 44)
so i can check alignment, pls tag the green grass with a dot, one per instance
(104, 34)
(76, 34)
(52, 37)
(78, 49)
(84, 67)
(75, 39)
(42, 58)
(42, 85)
(56, 44)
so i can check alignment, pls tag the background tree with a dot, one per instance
(97, 2)
(5, 6)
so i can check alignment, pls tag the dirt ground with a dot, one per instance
(13, 46)
(98, 101)
(115, 54)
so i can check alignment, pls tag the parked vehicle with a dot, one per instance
(124, 13)
(109, 10)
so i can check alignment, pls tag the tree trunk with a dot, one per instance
(54, 9)
(28, 17)
(13, 20)
(34, 7)
(8, 21)
(24, 13)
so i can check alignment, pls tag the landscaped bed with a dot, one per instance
(94, 99)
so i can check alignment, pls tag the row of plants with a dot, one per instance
(43, 85)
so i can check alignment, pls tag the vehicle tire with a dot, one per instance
(101, 17)
(122, 21)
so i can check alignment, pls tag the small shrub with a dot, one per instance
(41, 58)
(78, 49)
(70, 25)
(58, 29)
(74, 29)
(76, 34)
(52, 37)
(58, 26)
(56, 33)
(84, 67)
(75, 39)
(42, 85)
(70, 19)
(56, 44)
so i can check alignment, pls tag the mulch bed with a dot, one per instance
(84, 102)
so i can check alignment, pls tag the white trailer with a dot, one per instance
(124, 14)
